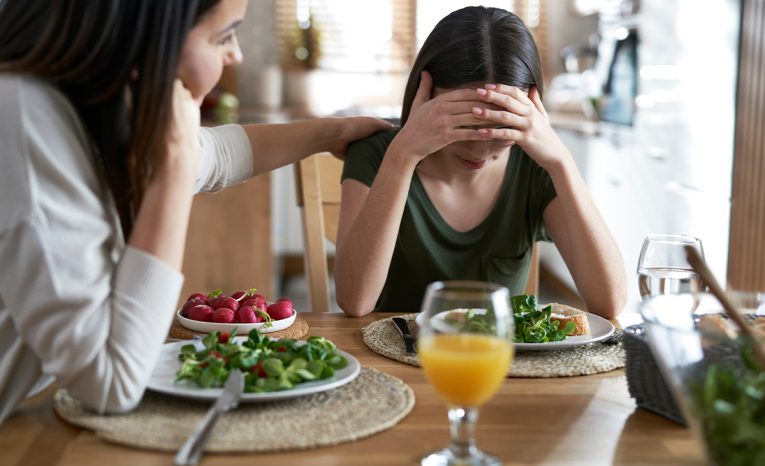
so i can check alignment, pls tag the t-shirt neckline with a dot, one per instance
(479, 229)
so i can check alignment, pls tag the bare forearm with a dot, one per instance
(364, 253)
(162, 221)
(590, 251)
(274, 146)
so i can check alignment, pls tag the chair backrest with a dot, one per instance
(317, 179)
(532, 283)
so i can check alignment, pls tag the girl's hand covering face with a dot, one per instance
(523, 120)
(437, 122)
(183, 133)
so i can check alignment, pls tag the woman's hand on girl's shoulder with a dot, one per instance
(523, 120)
(355, 128)
(439, 121)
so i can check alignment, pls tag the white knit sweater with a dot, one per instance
(76, 303)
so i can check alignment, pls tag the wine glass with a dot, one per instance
(465, 347)
(663, 267)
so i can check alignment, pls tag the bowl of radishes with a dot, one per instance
(244, 310)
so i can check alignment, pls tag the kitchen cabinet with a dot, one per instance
(638, 192)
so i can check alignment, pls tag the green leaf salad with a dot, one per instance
(269, 365)
(729, 401)
(533, 325)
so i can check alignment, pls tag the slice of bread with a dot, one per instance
(565, 314)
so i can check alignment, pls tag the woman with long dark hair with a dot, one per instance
(101, 154)
(472, 179)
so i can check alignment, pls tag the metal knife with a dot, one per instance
(409, 339)
(190, 452)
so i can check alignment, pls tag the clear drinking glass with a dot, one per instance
(465, 347)
(663, 268)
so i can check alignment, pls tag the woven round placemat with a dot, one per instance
(297, 330)
(382, 337)
(371, 403)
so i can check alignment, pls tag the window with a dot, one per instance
(353, 36)
(365, 48)
(380, 36)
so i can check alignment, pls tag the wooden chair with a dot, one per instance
(317, 179)
(532, 283)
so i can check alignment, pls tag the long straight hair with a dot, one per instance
(476, 44)
(115, 60)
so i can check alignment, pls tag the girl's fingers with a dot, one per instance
(509, 102)
(467, 93)
(465, 106)
(423, 91)
(500, 117)
(507, 134)
(464, 134)
(466, 119)
(512, 91)
(537, 100)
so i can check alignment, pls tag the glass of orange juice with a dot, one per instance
(465, 347)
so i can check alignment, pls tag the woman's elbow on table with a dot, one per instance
(115, 400)
(111, 385)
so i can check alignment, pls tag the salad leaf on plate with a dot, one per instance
(269, 365)
(533, 325)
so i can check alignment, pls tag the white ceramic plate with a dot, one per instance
(600, 329)
(242, 329)
(163, 379)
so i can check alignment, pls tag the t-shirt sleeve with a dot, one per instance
(364, 157)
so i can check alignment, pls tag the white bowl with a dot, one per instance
(242, 329)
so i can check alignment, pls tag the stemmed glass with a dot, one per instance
(465, 347)
(663, 268)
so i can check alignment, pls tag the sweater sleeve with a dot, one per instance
(94, 312)
(225, 157)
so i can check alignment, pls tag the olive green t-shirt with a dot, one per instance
(428, 249)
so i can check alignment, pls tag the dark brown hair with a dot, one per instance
(116, 61)
(476, 44)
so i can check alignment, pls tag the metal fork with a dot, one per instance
(189, 453)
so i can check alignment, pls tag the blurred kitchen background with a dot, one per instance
(642, 92)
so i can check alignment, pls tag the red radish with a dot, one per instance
(223, 338)
(262, 304)
(201, 312)
(258, 370)
(217, 355)
(256, 303)
(225, 301)
(280, 310)
(189, 304)
(223, 315)
(200, 296)
(247, 315)
(284, 299)
(239, 295)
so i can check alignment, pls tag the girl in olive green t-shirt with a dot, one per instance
(474, 176)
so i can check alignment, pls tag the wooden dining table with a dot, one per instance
(583, 421)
